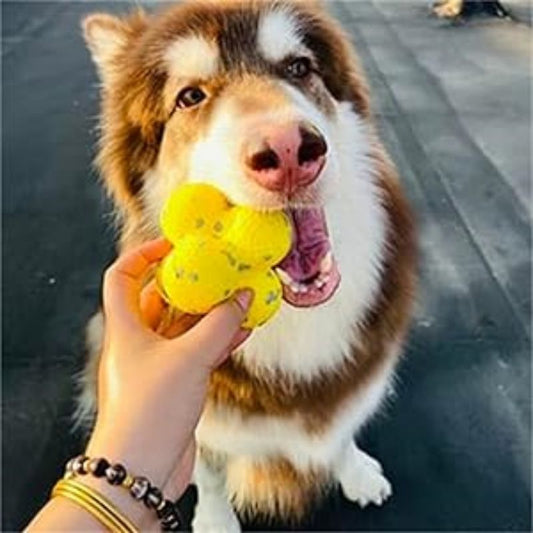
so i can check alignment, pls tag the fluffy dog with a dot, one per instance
(266, 101)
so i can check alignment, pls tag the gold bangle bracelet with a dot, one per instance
(94, 511)
(109, 520)
(94, 503)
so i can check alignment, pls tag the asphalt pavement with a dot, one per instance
(453, 106)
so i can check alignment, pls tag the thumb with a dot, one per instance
(214, 334)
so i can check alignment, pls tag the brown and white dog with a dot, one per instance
(266, 101)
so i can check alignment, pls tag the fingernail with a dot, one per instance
(244, 298)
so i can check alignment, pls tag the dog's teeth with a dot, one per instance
(322, 280)
(295, 287)
(298, 288)
(326, 263)
(285, 278)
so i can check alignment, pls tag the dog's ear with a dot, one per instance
(108, 37)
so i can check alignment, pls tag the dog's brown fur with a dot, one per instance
(278, 487)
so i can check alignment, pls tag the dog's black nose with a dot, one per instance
(313, 145)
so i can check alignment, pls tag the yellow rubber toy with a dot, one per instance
(218, 249)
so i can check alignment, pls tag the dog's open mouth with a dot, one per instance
(309, 273)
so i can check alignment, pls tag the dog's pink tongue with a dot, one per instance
(310, 244)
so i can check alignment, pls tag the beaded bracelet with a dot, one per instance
(139, 487)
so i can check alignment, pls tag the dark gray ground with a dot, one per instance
(454, 110)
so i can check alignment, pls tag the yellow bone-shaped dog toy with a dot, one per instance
(218, 249)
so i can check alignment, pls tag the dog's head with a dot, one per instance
(263, 99)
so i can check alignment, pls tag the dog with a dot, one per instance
(266, 100)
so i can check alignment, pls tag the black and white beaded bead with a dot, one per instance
(164, 509)
(115, 474)
(153, 498)
(139, 487)
(68, 466)
(98, 467)
(171, 522)
(77, 466)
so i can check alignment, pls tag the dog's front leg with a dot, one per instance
(213, 513)
(85, 412)
(361, 477)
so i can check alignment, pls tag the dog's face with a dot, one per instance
(262, 99)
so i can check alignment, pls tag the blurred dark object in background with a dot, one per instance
(465, 8)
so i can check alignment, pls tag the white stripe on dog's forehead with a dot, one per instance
(192, 57)
(279, 35)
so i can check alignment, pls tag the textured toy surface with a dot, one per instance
(220, 248)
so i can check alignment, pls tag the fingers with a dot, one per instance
(123, 282)
(177, 324)
(135, 264)
(131, 308)
(151, 305)
(239, 338)
(213, 335)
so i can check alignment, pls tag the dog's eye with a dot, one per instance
(299, 68)
(190, 96)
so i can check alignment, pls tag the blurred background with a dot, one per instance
(452, 97)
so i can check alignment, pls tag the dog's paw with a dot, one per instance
(369, 461)
(361, 477)
(366, 485)
(219, 520)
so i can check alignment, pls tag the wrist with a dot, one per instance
(124, 492)
(134, 510)
(116, 447)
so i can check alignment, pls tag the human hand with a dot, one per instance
(151, 389)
